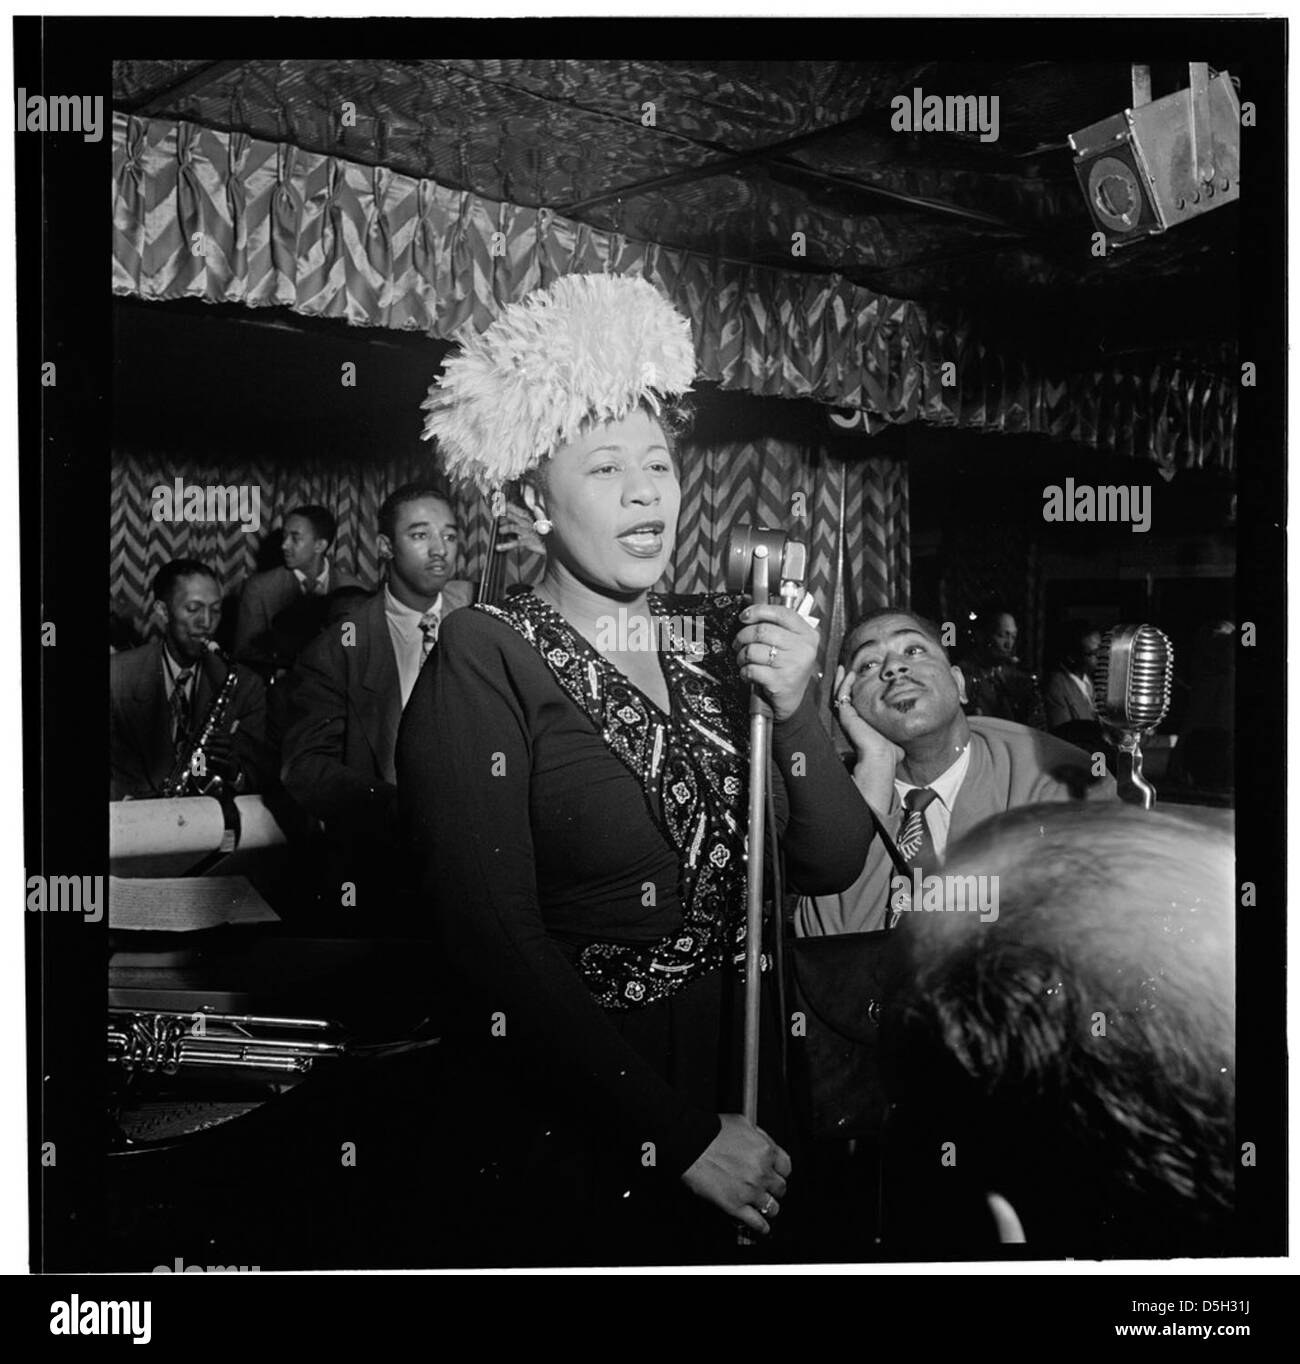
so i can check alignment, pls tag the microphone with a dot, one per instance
(1131, 691)
(751, 555)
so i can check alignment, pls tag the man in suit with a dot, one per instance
(161, 693)
(995, 684)
(927, 770)
(1071, 711)
(350, 684)
(284, 608)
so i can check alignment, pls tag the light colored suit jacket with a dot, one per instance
(1010, 765)
(1065, 702)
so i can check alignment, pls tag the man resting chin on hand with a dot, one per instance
(917, 754)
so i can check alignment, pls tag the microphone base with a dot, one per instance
(1131, 786)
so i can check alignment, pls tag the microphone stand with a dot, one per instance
(1132, 696)
(760, 752)
(760, 755)
(1130, 785)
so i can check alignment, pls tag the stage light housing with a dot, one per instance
(1163, 161)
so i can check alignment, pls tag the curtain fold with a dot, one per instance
(139, 545)
(771, 481)
(221, 216)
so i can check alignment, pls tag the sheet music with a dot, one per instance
(181, 904)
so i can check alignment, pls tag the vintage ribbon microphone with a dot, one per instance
(1131, 690)
(758, 558)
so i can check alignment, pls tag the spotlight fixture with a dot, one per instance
(1163, 161)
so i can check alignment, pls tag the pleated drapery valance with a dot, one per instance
(226, 217)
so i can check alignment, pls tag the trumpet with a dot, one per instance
(189, 775)
(152, 1041)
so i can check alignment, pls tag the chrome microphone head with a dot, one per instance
(794, 563)
(1135, 668)
(787, 559)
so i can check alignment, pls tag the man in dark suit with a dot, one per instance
(995, 683)
(348, 688)
(281, 610)
(162, 692)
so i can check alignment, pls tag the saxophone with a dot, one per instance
(189, 775)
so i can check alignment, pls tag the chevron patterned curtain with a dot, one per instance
(853, 515)
(139, 545)
(222, 216)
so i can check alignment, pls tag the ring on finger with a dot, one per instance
(771, 655)
(770, 1206)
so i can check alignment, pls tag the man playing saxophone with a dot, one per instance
(179, 718)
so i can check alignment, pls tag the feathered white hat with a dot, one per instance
(589, 348)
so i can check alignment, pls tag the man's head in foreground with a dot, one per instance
(1065, 1074)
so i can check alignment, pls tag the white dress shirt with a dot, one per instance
(938, 814)
(317, 586)
(408, 638)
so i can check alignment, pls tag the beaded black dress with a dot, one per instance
(584, 854)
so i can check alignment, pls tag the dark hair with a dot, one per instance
(928, 628)
(410, 492)
(165, 580)
(987, 617)
(1079, 1049)
(676, 416)
(1069, 641)
(322, 521)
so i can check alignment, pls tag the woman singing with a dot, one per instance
(573, 769)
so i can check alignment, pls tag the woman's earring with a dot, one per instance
(542, 526)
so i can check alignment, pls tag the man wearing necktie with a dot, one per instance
(348, 689)
(162, 690)
(281, 610)
(928, 771)
(179, 682)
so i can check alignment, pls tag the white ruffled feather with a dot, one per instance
(589, 348)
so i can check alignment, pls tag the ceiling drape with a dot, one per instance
(226, 217)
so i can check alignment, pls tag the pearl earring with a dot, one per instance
(542, 526)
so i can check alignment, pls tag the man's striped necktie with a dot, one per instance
(182, 707)
(915, 841)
